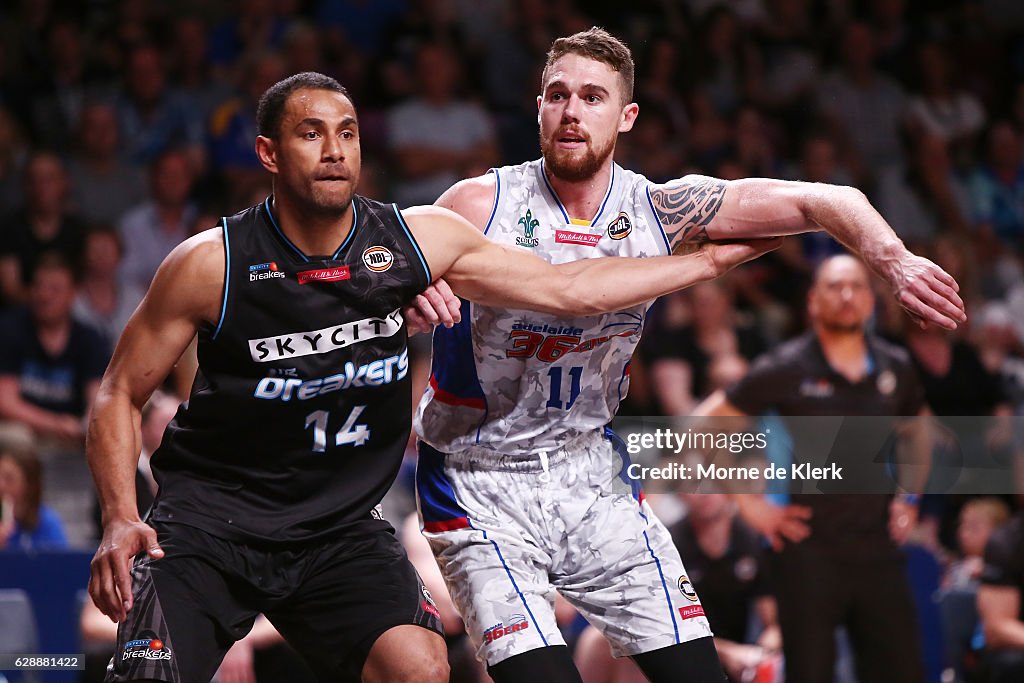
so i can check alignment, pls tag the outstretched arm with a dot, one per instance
(186, 292)
(497, 275)
(699, 209)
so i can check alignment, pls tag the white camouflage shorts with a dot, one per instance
(508, 532)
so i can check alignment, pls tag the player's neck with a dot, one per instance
(582, 198)
(313, 233)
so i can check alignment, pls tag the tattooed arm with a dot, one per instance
(696, 209)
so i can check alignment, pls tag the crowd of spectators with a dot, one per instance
(128, 125)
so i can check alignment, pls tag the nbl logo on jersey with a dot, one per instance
(620, 228)
(378, 259)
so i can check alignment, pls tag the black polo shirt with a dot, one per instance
(1004, 558)
(795, 379)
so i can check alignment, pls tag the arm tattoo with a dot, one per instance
(686, 206)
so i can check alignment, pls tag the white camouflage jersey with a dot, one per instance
(519, 382)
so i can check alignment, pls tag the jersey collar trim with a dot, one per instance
(299, 252)
(561, 207)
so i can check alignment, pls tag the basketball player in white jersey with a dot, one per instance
(520, 484)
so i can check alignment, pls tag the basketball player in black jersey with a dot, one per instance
(271, 473)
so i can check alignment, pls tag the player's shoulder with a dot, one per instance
(200, 259)
(472, 198)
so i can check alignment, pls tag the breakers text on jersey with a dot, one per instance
(375, 374)
(324, 340)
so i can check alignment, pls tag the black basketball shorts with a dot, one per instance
(330, 600)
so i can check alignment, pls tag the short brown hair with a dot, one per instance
(597, 44)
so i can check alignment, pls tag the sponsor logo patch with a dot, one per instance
(687, 589)
(152, 649)
(430, 609)
(691, 612)
(265, 271)
(529, 224)
(570, 237)
(620, 227)
(324, 340)
(323, 275)
(516, 623)
(378, 259)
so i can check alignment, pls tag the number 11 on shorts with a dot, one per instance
(350, 432)
(555, 373)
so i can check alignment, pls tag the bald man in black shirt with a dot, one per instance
(837, 562)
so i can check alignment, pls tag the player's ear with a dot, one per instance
(266, 150)
(540, 98)
(629, 114)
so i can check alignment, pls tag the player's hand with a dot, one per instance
(436, 305)
(928, 293)
(110, 583)
(238, 666)
(778, 523)
(725, 256)
(902, 520)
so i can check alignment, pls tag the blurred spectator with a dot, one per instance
(438, 138)
(894, 35)
(363, 23)
(104, 302)
(681, 353)
(723, 65)
(654, 148)
(727, 565)
(152, 229)
(103, 187)
(42, 225)
(71, 78)
(942, 110)
(50, 364)
(25, 523)
(190, 69)
(233, 128)
(785, 74)
(251, 26)
(1001, 602)
(303, 48)
(154, 118)
(13, 156)
(954, 379)
(755, 148)
(658, 78)
(865, 107)
(922, 197)
(999, 347)
(978, 519)
(711, 135)
(997, 189)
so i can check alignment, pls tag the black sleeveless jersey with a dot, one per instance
(301, 411)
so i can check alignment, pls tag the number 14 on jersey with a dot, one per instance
(350, 432)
